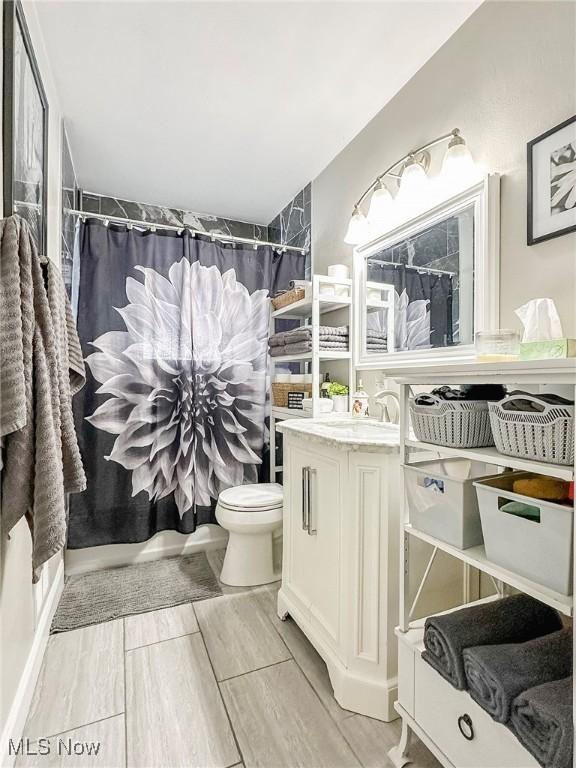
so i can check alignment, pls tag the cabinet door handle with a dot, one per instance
(305, 498)
(466, 727)
(312, 531)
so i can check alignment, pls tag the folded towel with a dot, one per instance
(305, 333)
(277, 339)
(370, 334)
(542, 721)
(303, 347)
(496, 674)
(511, 620)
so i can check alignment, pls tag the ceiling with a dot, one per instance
(229, 107)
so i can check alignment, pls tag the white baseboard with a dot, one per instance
(164, 544)
(18, 713)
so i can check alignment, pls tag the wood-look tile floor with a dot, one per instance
(216, 684)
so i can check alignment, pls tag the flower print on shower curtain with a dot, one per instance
(187, 381)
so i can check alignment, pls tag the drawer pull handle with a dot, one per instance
(466, 727)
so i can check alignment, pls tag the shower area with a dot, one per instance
(173, 322)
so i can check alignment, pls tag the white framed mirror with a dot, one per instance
(425, 287)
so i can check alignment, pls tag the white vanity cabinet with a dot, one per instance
(340, 559)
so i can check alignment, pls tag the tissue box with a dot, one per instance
(546, 350)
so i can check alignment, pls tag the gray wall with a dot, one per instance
(507, 75)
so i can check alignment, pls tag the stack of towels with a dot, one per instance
(376, 341)
(515, 659)
(299, 341)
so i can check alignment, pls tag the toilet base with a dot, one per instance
(249, 561)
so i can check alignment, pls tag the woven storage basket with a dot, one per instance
(453, 423)
(543, 436)
(280, 392)
(288, 298)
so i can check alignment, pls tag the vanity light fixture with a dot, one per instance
(358, 228)
(411, 172)
(458, 159)
(381, 203)
(414, 179)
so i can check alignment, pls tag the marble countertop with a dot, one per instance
(346, 433)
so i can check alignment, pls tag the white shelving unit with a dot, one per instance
(410, 633)
(327, 295)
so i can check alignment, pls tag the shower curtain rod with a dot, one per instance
(151, 225)
(431, 270)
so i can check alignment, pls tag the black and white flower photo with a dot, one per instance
(551, 187)
(187, 382)
(563, 178)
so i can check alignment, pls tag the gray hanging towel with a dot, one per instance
(42, 460)
(16, 324)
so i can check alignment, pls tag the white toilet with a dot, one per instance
(250, 513)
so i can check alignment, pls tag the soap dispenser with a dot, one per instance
(360, 402)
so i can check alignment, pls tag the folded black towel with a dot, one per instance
(513, 619)
(466, 392)
(542, 721)
(496, 674)
(535, 403)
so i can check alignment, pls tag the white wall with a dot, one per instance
(507, 75)
(21, 603)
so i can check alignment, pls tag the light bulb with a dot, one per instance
(358, 229)
(413, 182)
(380, 205)
(458, 164)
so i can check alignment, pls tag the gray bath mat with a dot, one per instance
(116, 592)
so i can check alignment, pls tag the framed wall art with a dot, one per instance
(552, 183)
(25, 126)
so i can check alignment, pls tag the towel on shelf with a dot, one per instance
(372, 334)
(496, 674)
(277, 340)
(542, 721)
(303, 347)
(512, 619)
(324, 332)
(41, 458)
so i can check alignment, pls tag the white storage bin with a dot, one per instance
(539, 549)
(442, 501)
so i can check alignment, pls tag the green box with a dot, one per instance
(553, 349)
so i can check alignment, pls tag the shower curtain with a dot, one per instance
(174, 331)
(423, 305)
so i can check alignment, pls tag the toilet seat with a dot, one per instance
(258, 497)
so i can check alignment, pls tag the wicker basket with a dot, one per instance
(280, 392)
(547, 435)
(453, 423)
(288, 298)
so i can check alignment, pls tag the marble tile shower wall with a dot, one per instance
(292, 225)
(69, 194)
(159, 214)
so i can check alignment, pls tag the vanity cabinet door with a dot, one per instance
(313, 522)
(298, 568)
(325, 534)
